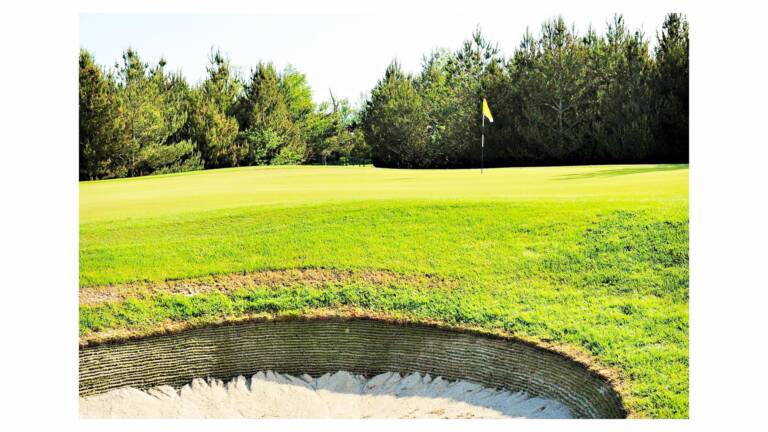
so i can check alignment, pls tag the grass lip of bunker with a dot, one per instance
(360, 346)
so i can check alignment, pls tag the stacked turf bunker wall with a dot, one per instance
(361, 346)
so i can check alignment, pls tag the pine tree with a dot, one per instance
(670, 87)
(623, 129)
(395, 122)
(212, 125)
(264, 118)
(101, 125)
(155, 110)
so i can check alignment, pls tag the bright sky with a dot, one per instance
(346, 53)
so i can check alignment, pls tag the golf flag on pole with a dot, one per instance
(487, 111)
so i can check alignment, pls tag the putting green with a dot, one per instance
(285, 186)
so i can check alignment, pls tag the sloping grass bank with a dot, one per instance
(590, 258)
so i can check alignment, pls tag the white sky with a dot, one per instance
(347, 53)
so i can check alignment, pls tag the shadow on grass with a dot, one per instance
(623, 171)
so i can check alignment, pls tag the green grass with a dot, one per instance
(592, 258)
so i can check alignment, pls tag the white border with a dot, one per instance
(39, 219)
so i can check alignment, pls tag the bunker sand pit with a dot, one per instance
(386, 369)
(338, 395)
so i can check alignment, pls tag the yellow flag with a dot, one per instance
(487, 111)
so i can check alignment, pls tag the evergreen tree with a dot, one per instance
(465, 72)
(101, 126)
(670, 87)
(439, 101)
(212, 125)
(558, 92)
(623, 129)
(395, 122)
(561, 98)
(268, 130)
(155, 110)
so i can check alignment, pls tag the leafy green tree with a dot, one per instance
(296, 93)
(356, 148)
(263, 145)
(338, 140)
(319, 127)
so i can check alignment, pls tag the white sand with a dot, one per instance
(338, 395)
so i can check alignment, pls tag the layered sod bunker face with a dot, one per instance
(389, 370)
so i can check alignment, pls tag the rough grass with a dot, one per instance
(593, 258)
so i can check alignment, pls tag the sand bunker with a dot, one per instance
(338, 395)
(155, 365)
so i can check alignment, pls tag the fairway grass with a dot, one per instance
(593, 258)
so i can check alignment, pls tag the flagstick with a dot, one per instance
(482, 146)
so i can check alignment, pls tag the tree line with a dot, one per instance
(137, 119)
(560, 98)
